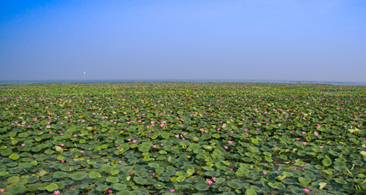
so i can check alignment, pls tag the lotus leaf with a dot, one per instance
(52, 187)
(202, 187)
(59, 174)
(78, 176)
(112, 179)
(234, 184)
(14, 156)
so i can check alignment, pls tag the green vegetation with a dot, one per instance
(182, 138)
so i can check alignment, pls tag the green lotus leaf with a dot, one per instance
(14, 156)
(112, 179)
(78, 176)
(340, 181)
(234, 184)
(160, 170)
(227, 193)
(139, 180)
(61, 185)
(250, 192)
(17, 189)
(219, 180)
(159, 185)
(145, 146)
(154, 165)
(299, 163)
(52, 187)
(25, 165)
(304, 180)
(124, 193)
(107, 168)
(71, 192)
(13, 179)
(94, 175)
(6, 152)
(295, 189)
(202, 187)
(46, 178)
(59, 174)
(212, 173)
(114, 172)
(327, 162)
(119, 186)
(205, 137)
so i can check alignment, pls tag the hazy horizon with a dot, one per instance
(135, 40)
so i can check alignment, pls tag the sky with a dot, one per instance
(308, 40)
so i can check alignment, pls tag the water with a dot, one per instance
(180, 80)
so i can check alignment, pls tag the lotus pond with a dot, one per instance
(182, 138)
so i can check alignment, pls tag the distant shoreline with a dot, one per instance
(14, 82)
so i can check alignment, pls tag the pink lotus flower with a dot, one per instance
(295, 169)
(110, 191)
(129, 140)
(213, 178)
(153, 174)
(230, 142)
(209, 182)
(264, 173)
(62, 160)
(23, 145)
(304, 143)
(81, 152)
(275, 148)
(56, 192)
(154, 146)
(50, 132)
(303, 132)
(177, 135)
(306, 190)
(134, 141)
(278, 169)
(303, 168)
(226, 147)
(62, 145)
(172, 190)
(321, 147)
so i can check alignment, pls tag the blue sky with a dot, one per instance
(192, 39)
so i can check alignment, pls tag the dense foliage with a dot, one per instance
(182, 138)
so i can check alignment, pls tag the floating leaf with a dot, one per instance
(322, 185)
(14, 156)
(78, 176)
(112, 179)
(52, 187)
(202, 187)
